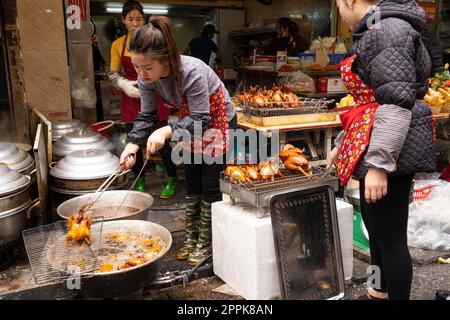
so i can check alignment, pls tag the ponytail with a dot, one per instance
(155, 39)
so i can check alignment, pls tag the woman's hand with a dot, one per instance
(157, 140)
(332, 160)
(128, 157)
(375, 185)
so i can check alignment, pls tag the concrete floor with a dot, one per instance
(17, 282)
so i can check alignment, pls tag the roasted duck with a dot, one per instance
(79, 227)
(276, 97)
(294, 159)
(236, 174)
(270, 169)
(251, 172)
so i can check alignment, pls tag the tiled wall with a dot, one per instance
(43, 47)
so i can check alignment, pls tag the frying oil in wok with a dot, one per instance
(111, 212)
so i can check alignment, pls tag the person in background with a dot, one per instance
(388, 135)
(189, 85)
(202, 47)
(124, 77)
(287, 39)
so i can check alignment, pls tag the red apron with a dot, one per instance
(208, 145)
(357, 122)
(132, 106)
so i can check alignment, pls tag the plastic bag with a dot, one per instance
(429, 220)
(299, 82)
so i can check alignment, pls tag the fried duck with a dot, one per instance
(268, 170)
(79, 227)
(294, 159)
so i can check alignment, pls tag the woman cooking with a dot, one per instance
(190, 86)
(133, 18)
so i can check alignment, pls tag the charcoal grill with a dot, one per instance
(259, 193)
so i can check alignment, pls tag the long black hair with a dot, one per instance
(156, 40)
(131, 6)
(287, 23)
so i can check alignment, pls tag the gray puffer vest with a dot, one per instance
(393, 61)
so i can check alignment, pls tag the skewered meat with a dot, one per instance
(79, 227)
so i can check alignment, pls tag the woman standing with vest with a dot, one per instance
(388, 134)
(126, 81)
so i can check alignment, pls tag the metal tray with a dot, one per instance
(259, 193)
(306, 236)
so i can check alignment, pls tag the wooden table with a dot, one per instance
(327, 126)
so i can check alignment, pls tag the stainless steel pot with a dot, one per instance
(14, 189)
(60, 128)
(14, 221)
(85, 171)
(353, 197)
(15, 158)
(80, 140)
(136, 206)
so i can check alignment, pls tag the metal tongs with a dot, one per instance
(132, 186)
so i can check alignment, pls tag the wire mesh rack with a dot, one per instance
(259, 193)
(277, 109)
(51, 260)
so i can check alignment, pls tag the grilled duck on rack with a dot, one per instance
(236, 174)
(294, 159)
(251, 172)
(79, 227)
(268, 170)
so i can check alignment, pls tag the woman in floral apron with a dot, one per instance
(190, 87)
(126, 81)
(388, 134)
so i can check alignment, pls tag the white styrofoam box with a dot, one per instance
(244, 250)
(345, 222)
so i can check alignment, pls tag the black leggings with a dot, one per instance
(165, 154)
(203, 179)
(386, 221)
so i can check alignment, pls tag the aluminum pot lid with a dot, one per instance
(11, 180)
(86, 164)
(81, 139)
(60, 128)
(14, 157)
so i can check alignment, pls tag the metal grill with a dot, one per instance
(308, 106)
(259, 193)
(289, 180)
(51, 260)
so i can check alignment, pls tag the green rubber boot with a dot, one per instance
(204, 243)
(193, 207)
(140, 184)
(170, 189)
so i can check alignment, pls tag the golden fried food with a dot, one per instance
(106, 267)
(79, 228)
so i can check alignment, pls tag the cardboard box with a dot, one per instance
(331, 85)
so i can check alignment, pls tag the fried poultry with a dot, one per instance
(251, 172)
(236, 174)
(133, 262)
(276, 97)
(268, 170)
(79, 227)
(294, 159)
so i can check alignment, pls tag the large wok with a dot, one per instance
(136, 206)
(123, 282)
